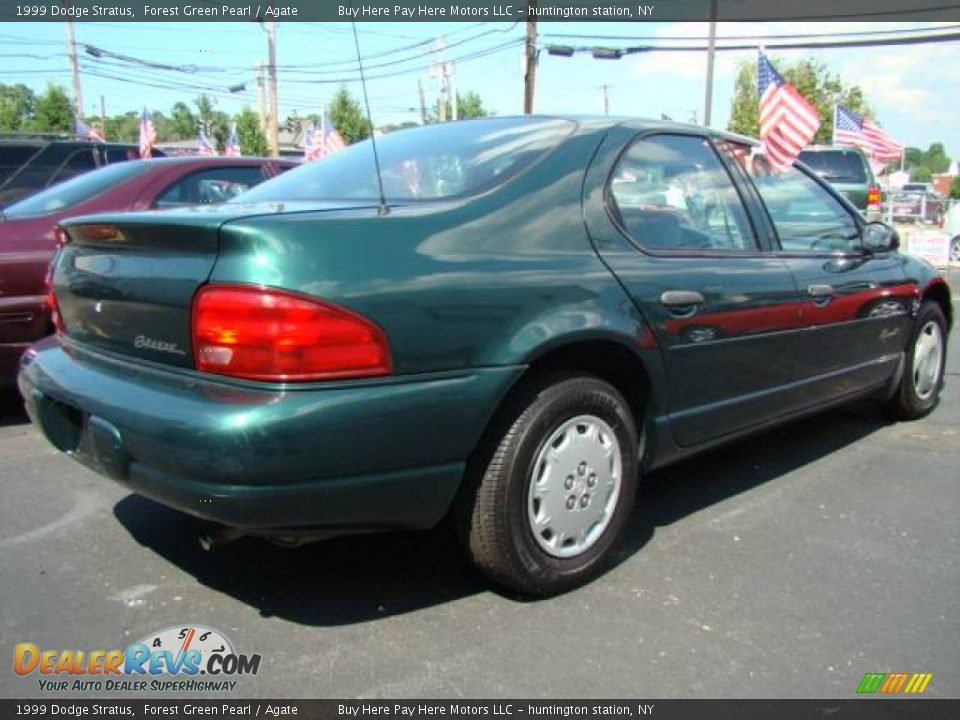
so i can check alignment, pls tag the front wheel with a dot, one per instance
(919, 389)
(556, 493)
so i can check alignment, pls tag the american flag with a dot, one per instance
(854, 130)
(81, 129)
(148, 134)
(323, 139)
(232, 148)
(204, 146)
(787, 121)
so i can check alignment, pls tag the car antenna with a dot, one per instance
(384, 209)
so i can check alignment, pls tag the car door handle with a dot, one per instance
(820, 291)
(681, 298)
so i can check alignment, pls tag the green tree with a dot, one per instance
(348, 117)
(124, 128)
(53, 111)
(811, 79)
(955, 187)
(252, 139)
(923, 164)
(469, 105)
(215, 123)
(16, 106)
(183, 123)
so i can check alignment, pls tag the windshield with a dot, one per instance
(836, 165)
(429, 163)
(914, 188)
(74, 191)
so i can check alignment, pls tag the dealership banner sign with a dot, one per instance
(415, 709)
(466, 10)
(932, 247)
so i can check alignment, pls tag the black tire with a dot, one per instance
(907, 403)
(955, 249)
(494, 522)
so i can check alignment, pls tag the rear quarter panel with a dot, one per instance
(493, 280)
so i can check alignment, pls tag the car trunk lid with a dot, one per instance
(125, 283)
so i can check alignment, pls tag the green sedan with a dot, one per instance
(506, 321)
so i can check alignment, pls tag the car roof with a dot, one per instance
(601, 122)
(213, 160)
(43, 142)
(833, 148)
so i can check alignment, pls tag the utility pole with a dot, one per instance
(439, 71)
(450, 71)
(530, 76)
(711, 53)
(272, 136)
(72, 52)
(261, 99)
(423, 102)
(103, 117)
(606, 99)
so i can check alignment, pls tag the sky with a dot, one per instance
(912, 89)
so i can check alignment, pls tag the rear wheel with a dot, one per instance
(556, 493)
(919, 388)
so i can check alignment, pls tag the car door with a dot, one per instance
(667, 217)
(857, 305)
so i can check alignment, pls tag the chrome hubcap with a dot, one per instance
(575, 485)
(927, 359)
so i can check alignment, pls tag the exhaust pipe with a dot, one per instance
(218, 535)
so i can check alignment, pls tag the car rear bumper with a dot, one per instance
(347, 456)
(9, 359)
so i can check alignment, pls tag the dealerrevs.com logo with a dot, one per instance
(173, 659)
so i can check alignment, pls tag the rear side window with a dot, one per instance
(121, 154)
(670, 192)
(78, 163)
(207, 187)
(836, 165)
(75, 191)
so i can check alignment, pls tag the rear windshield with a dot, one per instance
(836, 165)
(429, 163)
(913, 187)
(75, 191)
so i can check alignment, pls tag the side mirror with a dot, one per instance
(879, 237)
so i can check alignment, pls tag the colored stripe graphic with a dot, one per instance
(893, 683)
(918, 683)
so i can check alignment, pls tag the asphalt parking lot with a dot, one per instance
(784, 566)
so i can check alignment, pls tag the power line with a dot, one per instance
(788, 36)
(614, 53)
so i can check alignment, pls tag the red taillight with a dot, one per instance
(60, 238)
(873, 195)
(259, 333)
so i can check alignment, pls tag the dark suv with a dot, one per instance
(29, 163)
(847, 169)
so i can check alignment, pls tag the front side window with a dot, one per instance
(807, 217)
(670, 192)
